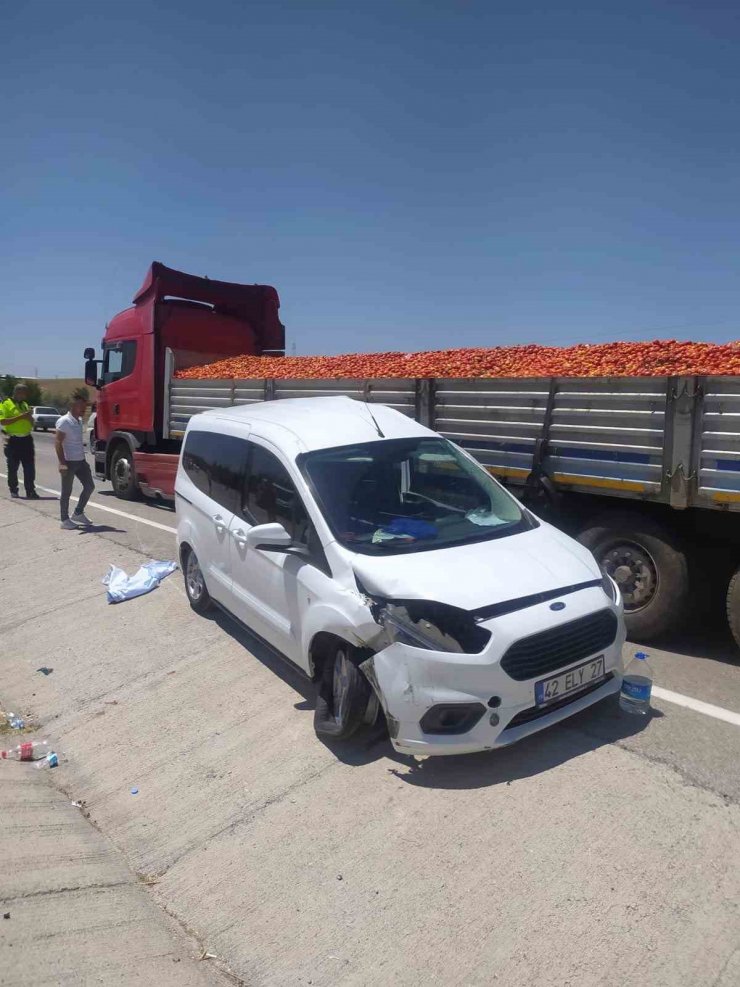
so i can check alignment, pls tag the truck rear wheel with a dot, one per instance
(123, 473)
(733, 606)
(650, 567)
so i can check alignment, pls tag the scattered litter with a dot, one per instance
(6, 915)
(78, 805)
(134, 791)
(207, 956)
(123, 587)
(51, 760)
(339, 877)
(34, 750)
(44, 670)
(110, 702)
(15, 722)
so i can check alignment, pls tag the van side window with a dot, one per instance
(216, 464)
(119, 360)
(194, 460)
(270, 495)
(228, 465)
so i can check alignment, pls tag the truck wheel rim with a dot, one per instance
(194, 579)
(122, 472)
(634, 571)
(340, 684)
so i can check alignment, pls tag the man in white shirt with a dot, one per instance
(70, 451)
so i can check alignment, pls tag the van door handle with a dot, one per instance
(219, 523)
(240, 537)
(116, 409)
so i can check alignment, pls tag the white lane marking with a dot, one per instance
(110, 510)
(718, 712)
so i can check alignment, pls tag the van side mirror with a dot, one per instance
(269, 537)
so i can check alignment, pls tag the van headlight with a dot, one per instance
(432, 627)
(609, 586)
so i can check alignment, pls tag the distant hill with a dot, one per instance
(62, 385)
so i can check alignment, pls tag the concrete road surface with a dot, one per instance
(603, 851)
(73, 912)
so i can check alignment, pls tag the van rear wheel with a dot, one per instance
(195, 585)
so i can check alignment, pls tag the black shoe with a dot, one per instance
(32, 496)
(14, 494)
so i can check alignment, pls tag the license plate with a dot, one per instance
(552, 689)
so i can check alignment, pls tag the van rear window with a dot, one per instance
(216, 464)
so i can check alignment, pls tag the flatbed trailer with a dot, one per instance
(644, 470)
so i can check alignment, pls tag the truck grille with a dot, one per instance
(556, 647)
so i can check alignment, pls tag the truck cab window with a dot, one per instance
(118, 360)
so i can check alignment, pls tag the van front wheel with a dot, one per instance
(343, 694)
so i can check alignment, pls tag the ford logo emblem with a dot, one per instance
(557, 606)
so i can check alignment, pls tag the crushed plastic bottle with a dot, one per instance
(637, 685)
(34, 750)
(16, 722)
(50, 761)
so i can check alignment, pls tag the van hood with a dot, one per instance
(481, 574)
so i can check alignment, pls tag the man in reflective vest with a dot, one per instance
(17, 424)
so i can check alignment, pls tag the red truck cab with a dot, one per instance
(177, 320)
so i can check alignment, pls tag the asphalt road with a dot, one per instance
(701, 663)
(603, 851)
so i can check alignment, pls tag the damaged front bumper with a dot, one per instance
(410, 682)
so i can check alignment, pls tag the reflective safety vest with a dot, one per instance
(9, 409)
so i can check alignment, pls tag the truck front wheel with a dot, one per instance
(733, 606)
(123, 474)
(650, 567)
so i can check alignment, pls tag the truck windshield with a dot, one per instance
(406, 495)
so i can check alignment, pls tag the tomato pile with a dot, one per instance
(659, 358)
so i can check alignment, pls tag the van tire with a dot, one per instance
(665, 556)
(195, 584)
(123, 473)
(733, 606)
(343, 694)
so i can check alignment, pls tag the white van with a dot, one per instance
(395, 571)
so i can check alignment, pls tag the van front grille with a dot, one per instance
(547, 651)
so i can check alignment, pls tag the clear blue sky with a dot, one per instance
(407, 174)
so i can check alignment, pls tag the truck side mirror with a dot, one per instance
(91, 372)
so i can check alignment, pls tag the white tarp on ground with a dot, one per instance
(124, 587)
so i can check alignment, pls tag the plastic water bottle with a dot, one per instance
(34, 750)
(637, 685)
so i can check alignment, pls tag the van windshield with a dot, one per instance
(406, 495)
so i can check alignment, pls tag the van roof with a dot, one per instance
(322, 422)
